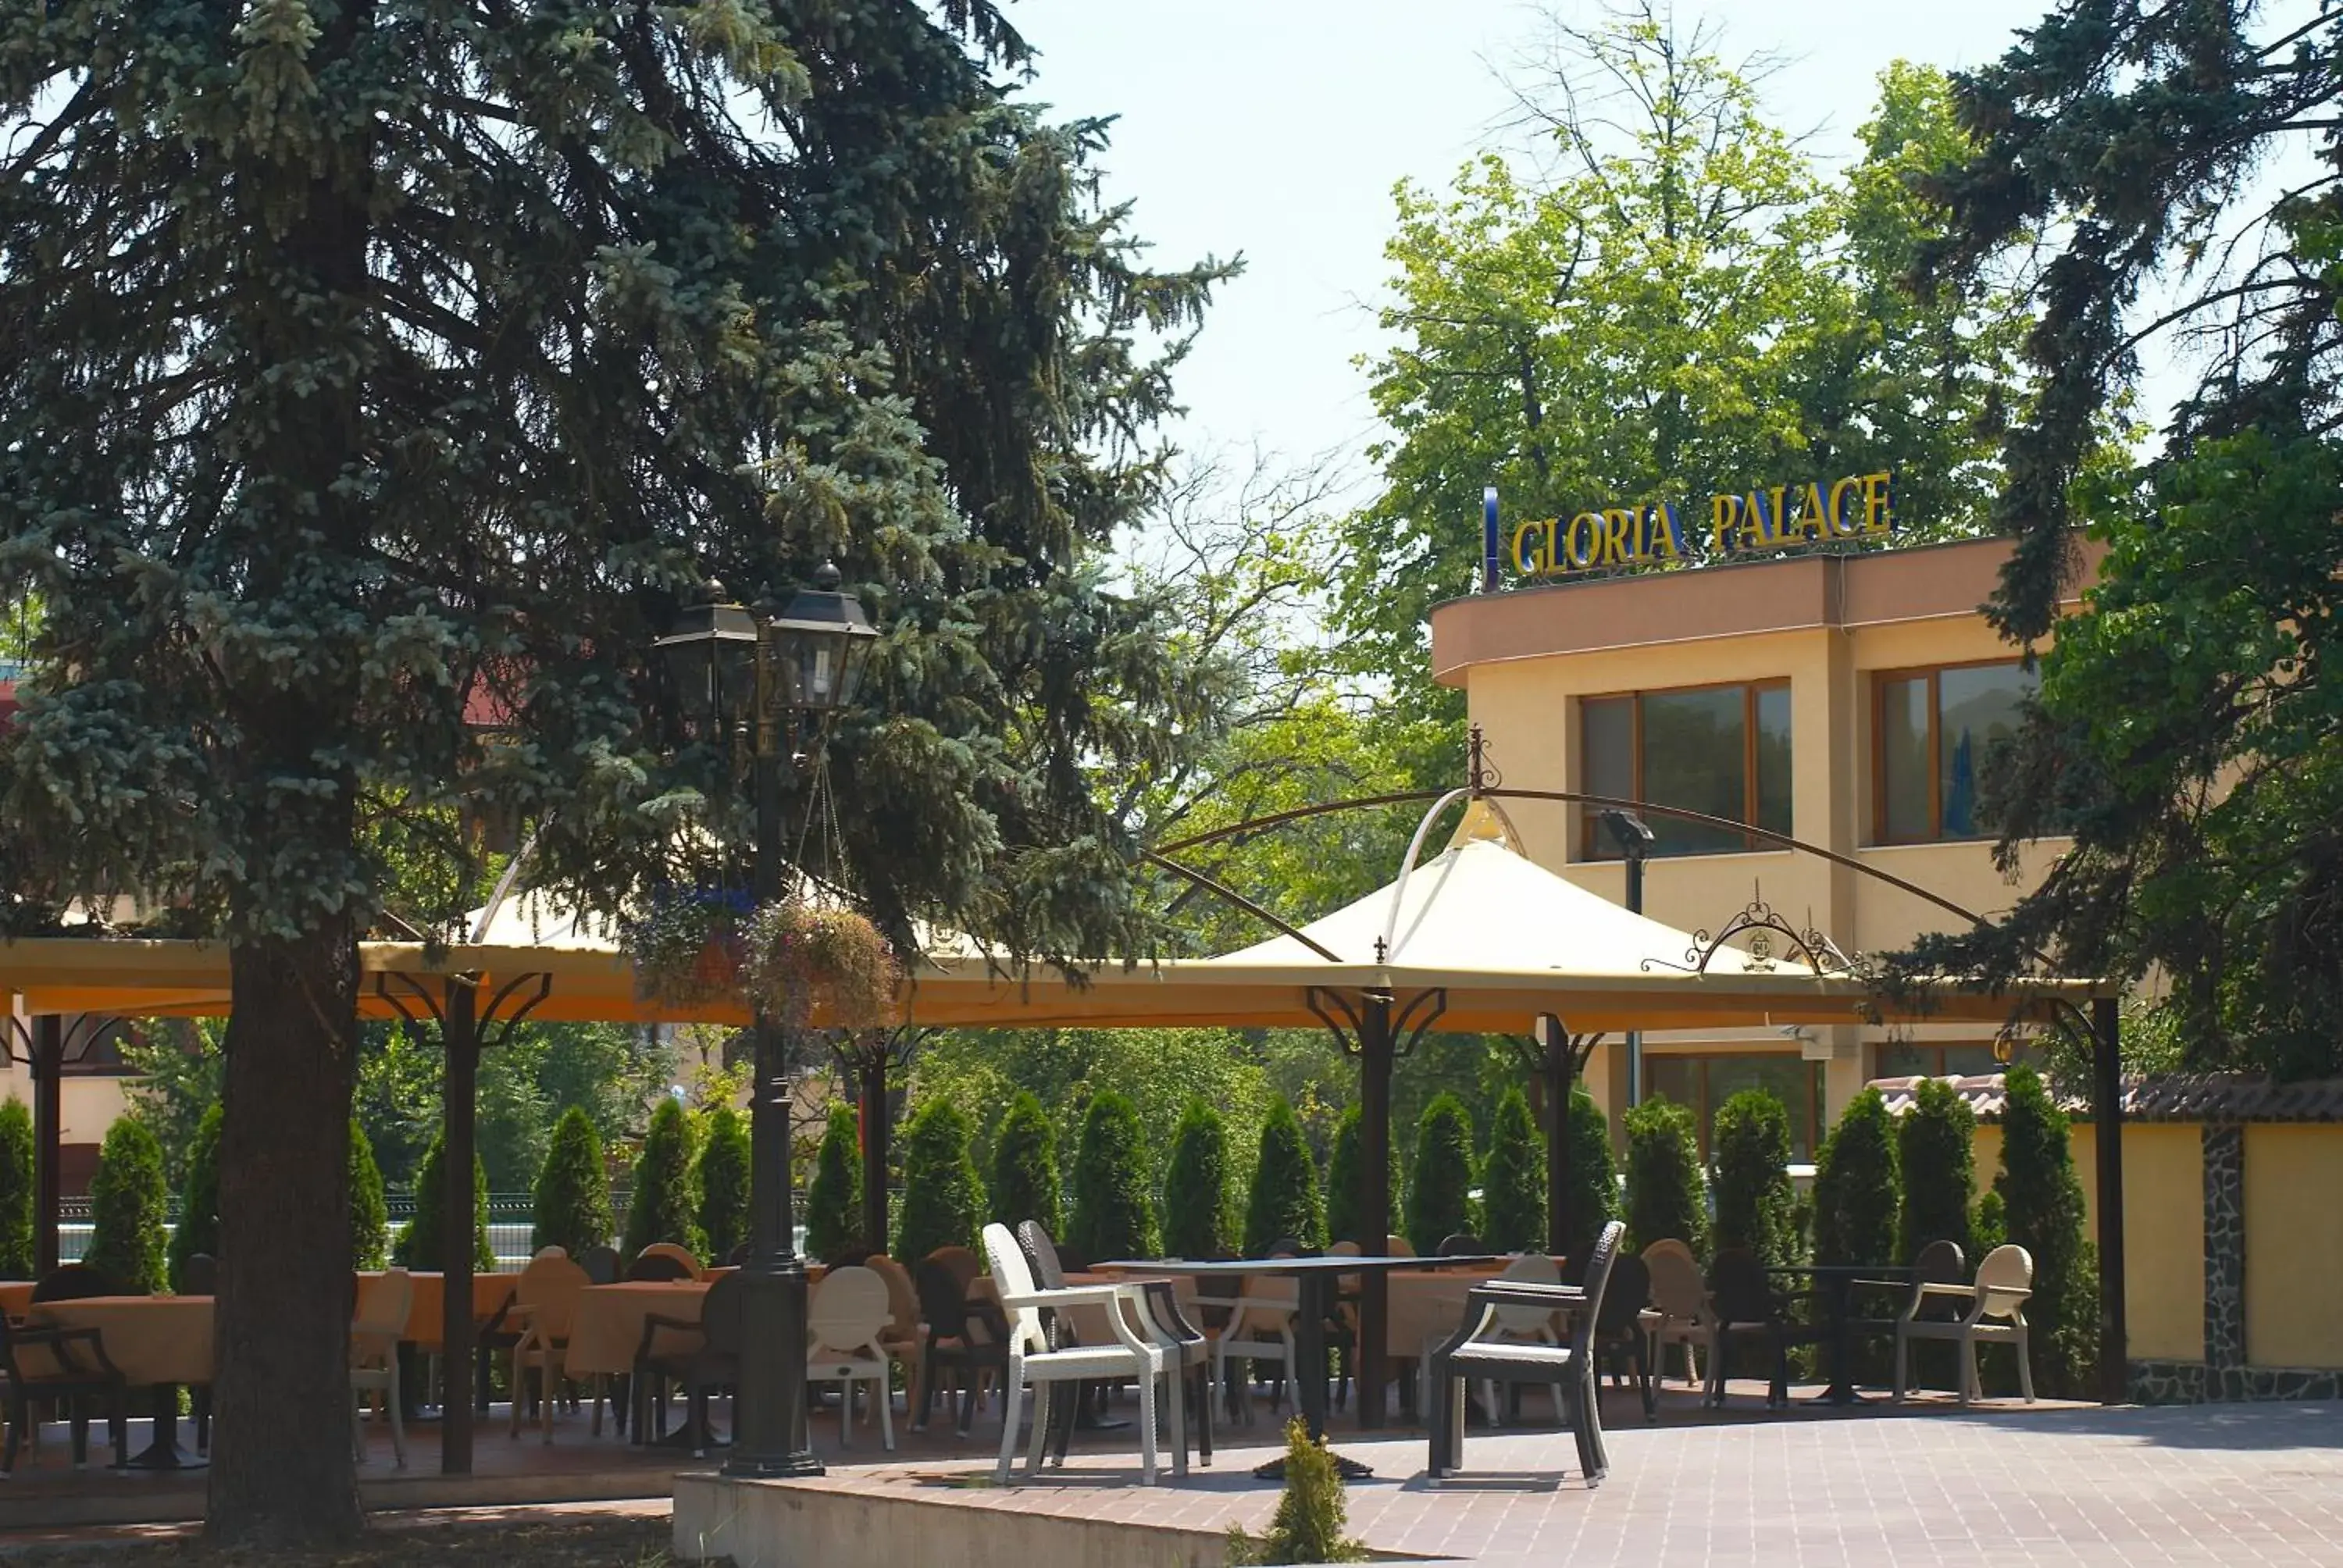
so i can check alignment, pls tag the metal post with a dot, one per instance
(460, 1377)
(48, 1138)
(1376, 1048)
(873, 1068)
(1555, 1041)
(1635, 1036)
(2107, 1094)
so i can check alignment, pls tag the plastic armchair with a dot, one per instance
(849, 1312)
(549, 1290)
(384, 1306)
(1680, 1298)
(1259, 1328)
(702, 1355)
(691, 1269)
(1996, 1313)
(1519, 1324)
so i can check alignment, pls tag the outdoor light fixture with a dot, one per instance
(1630, 832)
(812, 652)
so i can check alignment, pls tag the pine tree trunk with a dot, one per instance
(281, 1469)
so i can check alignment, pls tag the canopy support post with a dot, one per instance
(1375, 1060)
(872, 1071)
(2106, 1075)
(48, 1062)
(1555, 1041)
(460, 1117)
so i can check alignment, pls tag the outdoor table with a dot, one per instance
(1838, 1282)
(16, 1297)
(1314, 1280)
(156, 1343)
(608, 1323)
(426, 1323)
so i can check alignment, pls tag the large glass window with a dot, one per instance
(1723, 750)
(1702, 1084)
(1936, 729)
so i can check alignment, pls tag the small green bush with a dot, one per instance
(1936, 1146)
(128, 1205)
(1341, 1195)
(421, 1242)
(1593, 1180)
(663, 1207)
(943, 1198)
(1663, 1182)
(1024, 1184)
(1199, 1209)
(15, 1190)
(369, 1212)
(1284, 1200)
(1990, 1223)
(722, 1178)
(1757, 1206)
(1310, 1511)
(198, 1229)
(1440, 1184)
(2042, 1200)
(570, 1208)
(1858, 1190)
(1512, 1179)
(833, 1209)
(1114, 1208)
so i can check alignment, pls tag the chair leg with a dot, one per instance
(1011, 1398)
(2025, 1366)
(78, 1424)
(1175, 1390)
(1778, 1396)
(398, 1424)
(878, 1397)
(1204, 1414)
(1968, 1369)
(520, 1393)
(1713, 1395)
(15, 1419)
(1146, 1455)
(1592, 1434)
(1643, 1346)
(1435, 1417)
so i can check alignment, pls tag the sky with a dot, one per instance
(1275, 129)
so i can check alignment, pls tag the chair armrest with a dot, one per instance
(653, 1322)
(1526, 1293)
(58, 1339)
(1072, 1296)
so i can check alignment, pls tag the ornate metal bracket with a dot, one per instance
(1767, 931)
(492, 1013)
(1346, 1020)
(1408, 1030)
(78, 1041)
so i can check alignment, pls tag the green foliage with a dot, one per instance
(177, 1061)
(1199, 1218)
(833, 1205)
(1343, 1185)
(1283, 1200)
(943, 1196)
(722, 1178)
(1114, 1205)
(2042, 1205)
(1936, 1148)
(397, 1100)
(1858, 1188)
(1757, 1207)
(128, 1204)
(571, 1207)
(1310, 1511)
(369, 1212)
(1664, 1197)
(1593, 1180)
(662, 1205)
(17, 1251)
(1439, 1180)
(1024, 1184)
(422, 1241)
(197, 1233)
(1512, 1179)
(1990, 1224)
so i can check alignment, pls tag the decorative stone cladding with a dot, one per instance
(2188, 1383)
(2224, 1247)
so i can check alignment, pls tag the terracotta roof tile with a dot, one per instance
(2192, 1096)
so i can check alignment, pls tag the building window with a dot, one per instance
(1933, 729)
(1720, 749)
(1702, 1084)
(1971, 1059)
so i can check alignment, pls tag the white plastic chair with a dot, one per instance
(384, 1306)
(1259, 1328)
(1520, 1325)
(548, 1289)
(1136, 1354)
(1996, 1312)
(846, 1318)
(1679, 1299)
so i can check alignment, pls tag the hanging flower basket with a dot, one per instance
(687, 951)
(798, 958)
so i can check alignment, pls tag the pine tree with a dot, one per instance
(369, 1211)
(1512, 1179)
(1024, 1184)
(1283, 1200)
(1199, 1209)
(421, 1242)
(1665, 1198)
(722, 1178)
(198, 1229)
(1114, 1204)
(1593, 1180)
(2042, 1205)
(1858, 1193)
(15, 1190)
(662, 1207)
(128, 1204)
(1440, 1184)
(570, 1204)
(1935, 1147)
(833, 1206)
(1342, 1184)
(943, 1198)
(1757, 1207)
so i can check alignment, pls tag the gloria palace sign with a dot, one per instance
(1765, 517)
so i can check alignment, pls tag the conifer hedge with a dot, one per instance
(1285, 1201)
(1757, 1206)
(722, 1178)
(1439, 1183)
(1858, 1188)
(1664, 1196)
(943, 1196)
(1341, 1195)
(1512, 1179)
(1025, 1184)
(570, 1208)
(2042, 1204)
(833, 1207)
(15, 1190)
(1114, 1204)
(1198, 1213)
(1935, 1145)
(369, 1211)
(662, 1206)
(421, 1240)
(1593, 1179)
(128, 1205)
(197, 1234)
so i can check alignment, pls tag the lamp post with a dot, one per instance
(761, 677)
(1634, 837)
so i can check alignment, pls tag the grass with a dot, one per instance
(593, 1543)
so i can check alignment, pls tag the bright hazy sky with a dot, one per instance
(1276, 128)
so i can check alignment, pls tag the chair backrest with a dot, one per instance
(1625, 1298)
(1600, 1261)
(1460, 1245)
(1674, 1282)
(1534, 1268)
(1670, 1247)
(600, 1263)
(1941, 1263)
(853, 1255)
(656, 1266)
(1041, 1255)
(943, 1303)
(1398, 1246)
(1288, 1247)
(548, 1288)
(1737, 1279)
(739, 1254)
(550, 1252)
(2004, 1281)
(78, 1282)
(670, 1249)
(849, 1310)
(724, 1316)
(385, 1302)
(199, 1275)
(964, 1264)
(1010, 1276)
(902, 1296)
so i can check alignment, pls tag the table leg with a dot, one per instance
(1842, 1313)
(1310, 1374)
(163, 1451)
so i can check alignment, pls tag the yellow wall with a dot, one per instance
(2294, 1246)
(2164, 1241)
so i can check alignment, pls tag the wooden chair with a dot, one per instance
(549, 1290)
(374, 1333)
(1996, 1313)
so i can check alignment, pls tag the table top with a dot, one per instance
(1892, 1273)
(1323, 1265)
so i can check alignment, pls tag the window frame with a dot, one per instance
(1817, 1126)
(1591, 844)
(1880, 681)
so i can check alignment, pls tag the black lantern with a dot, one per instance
(711, 660)
(819, 645)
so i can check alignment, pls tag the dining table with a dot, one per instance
(426, 1320)
(15, 1296)
(156, 1343)
(1837, 1283)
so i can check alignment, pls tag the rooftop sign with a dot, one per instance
(1759, 519)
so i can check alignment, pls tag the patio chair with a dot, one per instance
(1398, 1246)
(847, 1313)
(549, 1289)
(738, 1256)
(1570, 1367)
(1996, 1313)
(655, 1267)
(67, 1365)
(1680, 1297)
(1189, 1346)
(374, 1333)
(1940, 1263)
(1033, 1364)
(1742, 1304)
(964, 1264)
(701, 1356)
(600, 1263)
(1259, 1328)
(683, 1255)
(1525, 1325)
(969, 1337)
(80, 1283)
(1619, 1331)
(1459, 1244)
(903, 1334)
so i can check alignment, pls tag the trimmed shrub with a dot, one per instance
(1593, 1180)
(1757, 1206)
(1114, 1211)
(722, 1176)
(663, 1207)
(1663, 1182)
(571, 1203)
(198, 1229)
(128, 1204)
(833, 1206)
(1342, 1196)
(15, 1190)
(1512, 1179)
(370, 1214)
(1284, 1200)
(1858, 1192)
(1199, 1218)
(421, 1242)
(1310, 1511)
(2042, 1200)
(1990, 1224)
(943, 1198)
(1440, 1185)
(1935, 1147)
(1024, 1184)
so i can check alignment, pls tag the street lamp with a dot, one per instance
(1633, 837)
(765, 677)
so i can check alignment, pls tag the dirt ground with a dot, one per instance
(574, 1543)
